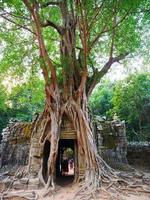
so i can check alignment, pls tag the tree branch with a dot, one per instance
(52, 24)
(96, 13)
(114, 20)
(19, 25)
(94, 80)
(84, 35)
(120, 57)
(44, 5)
(14, 15)
(43, 52)
(105, 30)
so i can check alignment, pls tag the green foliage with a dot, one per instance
(28, 99)
(3, 97)
(100, 100)
(20, 54)
(24, 101)
(131, 101)
(20, 50)
(4, 111)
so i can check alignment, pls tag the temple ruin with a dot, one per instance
(20, 146)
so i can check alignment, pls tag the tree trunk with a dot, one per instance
(68, 98)
(96, 169)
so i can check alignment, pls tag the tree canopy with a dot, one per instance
(107, 31)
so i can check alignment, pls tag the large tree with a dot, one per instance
(78, 42)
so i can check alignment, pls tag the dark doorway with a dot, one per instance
(65, 162)
(46, 153)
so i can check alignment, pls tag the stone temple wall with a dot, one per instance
(138, 155)
(112, 142)
(110, 138)
(15, 144)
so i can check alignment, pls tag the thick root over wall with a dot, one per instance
(97, 171)
(98, 174)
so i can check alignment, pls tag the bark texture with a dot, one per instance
(69, 97)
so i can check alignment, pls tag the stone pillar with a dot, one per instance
(112, 142)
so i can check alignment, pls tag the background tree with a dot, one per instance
(27, 99)
(3, 108)
(131, 100)
(22, 102)
(100, 102)
(68, 35)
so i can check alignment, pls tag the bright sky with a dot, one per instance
(120, 71)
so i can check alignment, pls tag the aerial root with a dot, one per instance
(109, 184)
(29, 195)
(48, 191)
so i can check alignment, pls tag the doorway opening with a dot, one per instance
(46, 153)
(65, 163)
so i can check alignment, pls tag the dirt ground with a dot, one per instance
(68, 191)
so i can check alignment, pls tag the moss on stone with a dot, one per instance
(27, 131)
(109, 141)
